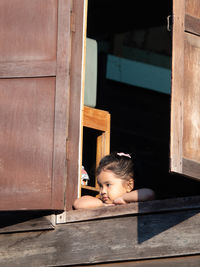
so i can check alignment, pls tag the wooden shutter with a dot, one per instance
(185, 116)
(35, 54)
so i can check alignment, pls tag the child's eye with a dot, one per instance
(108, 185)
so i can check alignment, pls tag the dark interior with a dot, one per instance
(140, 118)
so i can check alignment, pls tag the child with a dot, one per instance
(115, 177)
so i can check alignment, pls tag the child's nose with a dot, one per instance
(103, 190)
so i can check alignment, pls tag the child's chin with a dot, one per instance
(108, 201)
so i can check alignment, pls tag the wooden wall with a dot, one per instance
(136, 236)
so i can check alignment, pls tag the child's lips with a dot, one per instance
(104, 199)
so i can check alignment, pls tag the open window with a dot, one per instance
(143, 77)
(42, 69)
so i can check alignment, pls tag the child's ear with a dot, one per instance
(130, 185)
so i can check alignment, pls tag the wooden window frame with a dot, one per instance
(136, 208)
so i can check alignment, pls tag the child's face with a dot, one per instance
(111, 187)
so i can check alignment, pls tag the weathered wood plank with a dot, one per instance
(176, 87)
(192, 261)
(79, 11)
(96, 119)
(192, 24)
(154, 206)
(185, 74)
(35, 55)
(146, 236)
(61, 104)
(10, 224)
(191, 168)
(27, 69)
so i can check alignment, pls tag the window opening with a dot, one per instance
(140, 114)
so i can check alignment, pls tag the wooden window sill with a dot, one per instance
(155, 206)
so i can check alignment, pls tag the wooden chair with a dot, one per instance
(98, 120)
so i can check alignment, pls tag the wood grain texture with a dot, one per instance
(192, 261)
(79, 10)
(147, 236)
(96, 119)
(61, 104)
(192, 24)
(28, 32)
(177, 84)
(191, 168)
(15, 222)
(155, 206)
(191, 96)
(34, 88)
(192, 8)
(27, 69)
(185, 138)
(191, 119)
(26, 141)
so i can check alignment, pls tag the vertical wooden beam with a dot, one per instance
(77, 71)
(61, 106)
(177, 86)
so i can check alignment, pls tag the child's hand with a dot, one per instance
(119, 201)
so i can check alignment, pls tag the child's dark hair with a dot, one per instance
(119, 163)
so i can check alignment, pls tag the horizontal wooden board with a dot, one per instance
(192, 261)
(155, 206)
(192, 24)
(191, 168)
(147, 236)
(96, 119)
(27, 69)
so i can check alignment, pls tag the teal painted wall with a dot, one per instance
(139, 74)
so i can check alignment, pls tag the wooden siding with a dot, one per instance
(164, 234)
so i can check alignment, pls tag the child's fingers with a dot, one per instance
(119, 201)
